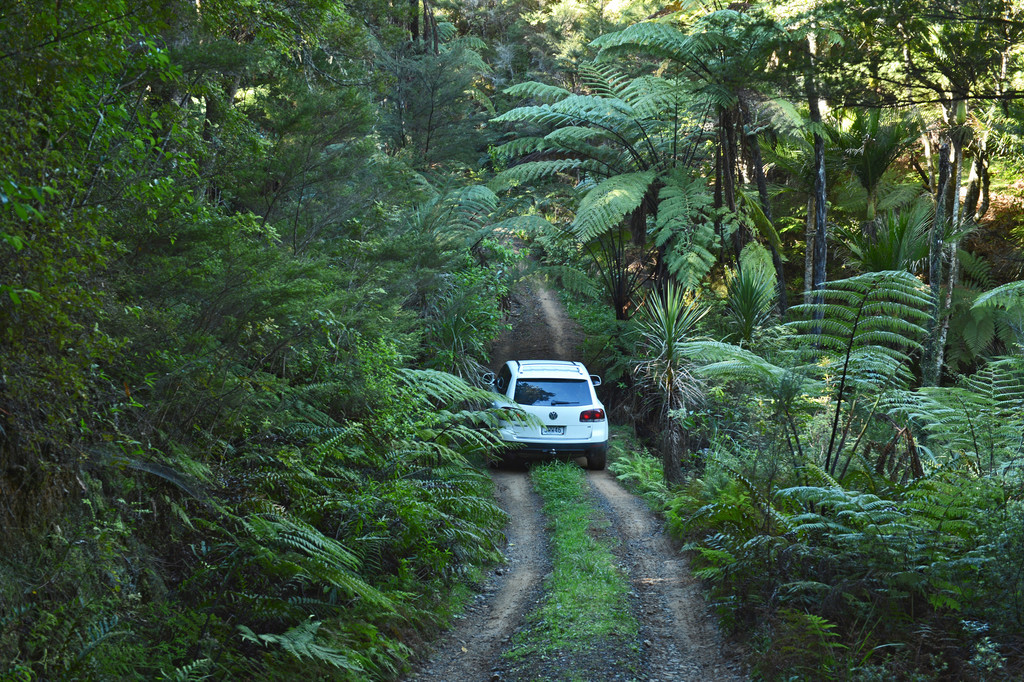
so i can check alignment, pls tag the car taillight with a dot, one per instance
(592, 416)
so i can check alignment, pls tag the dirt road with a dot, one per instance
(679, 639)
(471, 651)
(540, 328)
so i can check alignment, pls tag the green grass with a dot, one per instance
(586, 596)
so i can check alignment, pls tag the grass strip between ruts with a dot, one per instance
(586, 596)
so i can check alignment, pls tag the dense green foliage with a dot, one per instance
(215, 458)
(855, 491)
(253, 255)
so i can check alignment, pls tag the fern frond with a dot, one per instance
(300, 642)
(520, 147)
(606, 205)
(764, 227)
(192, 672)
(530, 224)
(531, 171)
(685, 226)
(576, 281)
(976, 269)
(654, 38)
(726, 361)
(656, 97)
(874, 319)
(538, 91)
(602, 80)
(1010, 296)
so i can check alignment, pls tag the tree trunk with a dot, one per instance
(809, 251)
(931, 361)
(953, 267)
(726, 144)
(673, 447)
(926, 142)
(757, 170)
(978, 186)
(986, 181)
(973, 193)
(719, 230)
(820, 205)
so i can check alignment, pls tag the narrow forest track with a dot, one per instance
(679, 637)
(541, 329)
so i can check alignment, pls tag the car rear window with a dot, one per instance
(552, 392)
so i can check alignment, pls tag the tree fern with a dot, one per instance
(460, 213)
(607, 204)
(615, 143)
(301, 642)
(864, 328)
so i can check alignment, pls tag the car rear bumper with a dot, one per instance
(547, 451)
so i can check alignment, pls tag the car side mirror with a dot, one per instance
(595, 379)
(488, 378)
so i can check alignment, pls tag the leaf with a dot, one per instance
(300, 642)
(760, 220)
(538, 91)
(606, 205)
(1010, 295)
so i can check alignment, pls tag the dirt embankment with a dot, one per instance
(679, 639)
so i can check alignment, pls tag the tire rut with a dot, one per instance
(541, 329)
(680, 637)
(470, 652)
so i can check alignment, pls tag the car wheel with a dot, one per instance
(596, 460)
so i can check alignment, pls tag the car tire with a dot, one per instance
(596, 461)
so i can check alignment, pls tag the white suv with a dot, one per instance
(568, 420)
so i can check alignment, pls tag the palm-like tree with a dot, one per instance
(751, 298)
(666, 372)
(868, 144)
(620, 143)
(899, 242)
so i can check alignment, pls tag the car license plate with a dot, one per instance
(552, 431)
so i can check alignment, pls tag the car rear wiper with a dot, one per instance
(565, 402)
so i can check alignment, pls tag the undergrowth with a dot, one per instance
(636, 468)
